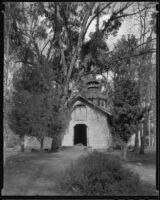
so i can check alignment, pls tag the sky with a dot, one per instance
(127, 27)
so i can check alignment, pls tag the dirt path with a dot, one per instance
(147, 173)
(35, 174)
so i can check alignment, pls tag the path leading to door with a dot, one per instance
(36, 173)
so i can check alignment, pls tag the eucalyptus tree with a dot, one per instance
(52, 35)
(146, 20)
(126, 109)
(47, 31)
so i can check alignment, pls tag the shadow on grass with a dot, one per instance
(149, 158)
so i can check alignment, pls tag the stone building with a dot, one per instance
(90, 120)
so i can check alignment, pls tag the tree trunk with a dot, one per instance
(22, 143)
(97, 24)
(154, 137)
(41, 143)
(6, 74)
(149, 130)
(5, 137)
(154, 127)
(136, 146)
(142, 145)
(124, 152)
(4, 150)
(142, 140)
(80, 38)
(54, 145)
(144, 132)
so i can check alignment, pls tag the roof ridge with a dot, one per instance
(80, 96)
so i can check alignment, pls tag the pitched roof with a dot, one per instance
(86, 101)
(96, 94)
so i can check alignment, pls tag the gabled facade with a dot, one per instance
(90, 122)
(89, 125)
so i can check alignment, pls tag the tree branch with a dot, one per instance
(58, 36)
(66, 25)
(127, 14)
(113, 17)
(32, 39)
(78, 45)
(45, 46)
(132, 56)
(95, 17)
(144, 43)
(49, 50)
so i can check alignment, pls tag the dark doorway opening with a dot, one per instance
(80, 134)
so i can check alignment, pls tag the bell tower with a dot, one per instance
(93, 91)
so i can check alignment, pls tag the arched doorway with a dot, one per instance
(80, 134)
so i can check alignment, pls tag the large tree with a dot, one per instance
(127, 111)
(36, 109)
(146, 70)
(45, 30)
(53, 34)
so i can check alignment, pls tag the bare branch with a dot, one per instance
(58, 37)
(98, 13)
(66, 25)
(35, 24)
(64, 63)
(114, 16)
(51, 45)
(45, 46)
(144, 43)
(134, 55)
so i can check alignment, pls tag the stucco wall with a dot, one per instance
(98, 135)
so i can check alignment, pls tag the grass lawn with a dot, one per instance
(145, 165)
(35, 173)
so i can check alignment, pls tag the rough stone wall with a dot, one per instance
(98, 134)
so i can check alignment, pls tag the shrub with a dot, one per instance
(100, 174)
(12, 141)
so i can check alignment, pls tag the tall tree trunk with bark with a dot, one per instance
(145, 132)
(142, 145)
(6, 74)
(136, 146)
(124, 151)
(154, 125)
(76, 51)
(97, 24)
(54, 145)
(142, 141)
